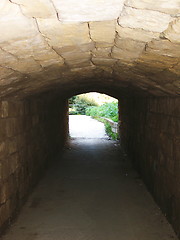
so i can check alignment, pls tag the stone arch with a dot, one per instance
(49, 51)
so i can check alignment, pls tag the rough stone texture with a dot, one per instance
(124, 48)
(150, 130)
(47, 40)
(88, 10)
(37, 8)
(173, 31)
(27, 142)
(146, 19)
(103, 33)
(161, 5)
(127, 49)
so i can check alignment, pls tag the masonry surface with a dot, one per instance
(50, 51)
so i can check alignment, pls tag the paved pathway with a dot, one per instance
(85, 127)
(91, 193)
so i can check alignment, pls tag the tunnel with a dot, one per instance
(51, 50)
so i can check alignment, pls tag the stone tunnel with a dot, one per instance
(51, 50)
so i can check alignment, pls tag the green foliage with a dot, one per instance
(109, 131)
(107, 110)
(78, 104)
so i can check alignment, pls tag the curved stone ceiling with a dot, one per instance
(127, 44)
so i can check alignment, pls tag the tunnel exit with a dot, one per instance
(93, 115)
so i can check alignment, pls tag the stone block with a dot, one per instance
(173, 31)
(14, 162)
(147, 20)
(103, 33)
(4, 213)
(174, 126)
(79, 63)
(136, 34)
(11, 127)
(163, 47)
(127, 49)
(3, 149)
(4, 192)
(19, 26)
(164, 6)
(88, 10)
(73, 56)
(156, 61)
(4, 109)
(3, 132)
(12, 145)
(60, 34)
(102, 52)
(8, 76)
(25, 65)
(4, 169)
(37, 8)
(103, 61)
(15, 108)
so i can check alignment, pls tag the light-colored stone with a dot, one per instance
(173, 31)
(88, 10)
(164, 47)
(76, 55)
(129, 44)
(24, 48)
(127, 49)
(47, 43)
(36, 8)
(52, 62)
(27, 65)
(64, 34)
(146, 19)
(102, 33)
(75, 48)
(157, 61)
(7, 75)
(79, 63)
(14, 25)
(47, 57)
(171, 7)
(103, 61)
(102, 52)
(136, 34)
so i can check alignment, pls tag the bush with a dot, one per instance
(109, 132)
(79, 104)
(107, 110)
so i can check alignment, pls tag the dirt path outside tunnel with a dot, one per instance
(91, 192)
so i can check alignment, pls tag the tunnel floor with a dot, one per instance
(91, 192)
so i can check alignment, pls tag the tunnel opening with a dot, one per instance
(84, 108)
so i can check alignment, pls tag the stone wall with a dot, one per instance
(31, 133)
(150, 131)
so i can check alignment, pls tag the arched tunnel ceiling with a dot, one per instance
(56, 44)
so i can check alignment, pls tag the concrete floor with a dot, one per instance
(90, 193)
